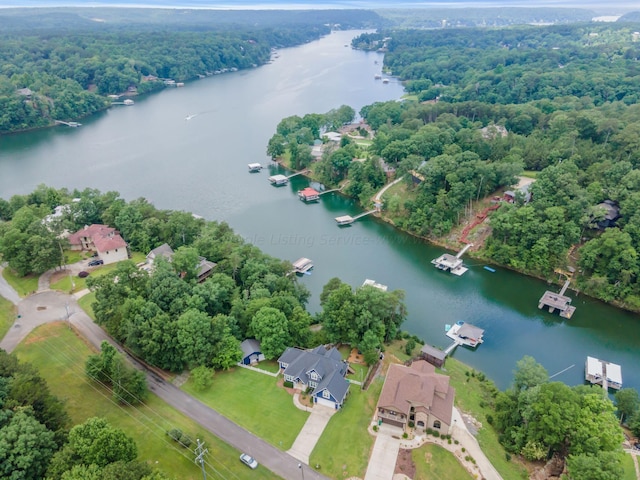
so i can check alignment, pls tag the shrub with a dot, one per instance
(464, 449)
(436, 433)
(456, 442)
(449, 441)
(287, 384)
(490, 419)
(405, 435)
(375, 428)
(175, 434)
(429, 431)
(411, 424)
(507, 456)
(186, 441)
(466, 457)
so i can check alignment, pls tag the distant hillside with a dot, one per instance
(630, 17)
(482, 17)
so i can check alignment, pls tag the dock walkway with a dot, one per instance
(558, 301)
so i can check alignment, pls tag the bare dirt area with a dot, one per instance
(404, 463)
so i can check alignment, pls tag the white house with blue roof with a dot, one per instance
(322, 370)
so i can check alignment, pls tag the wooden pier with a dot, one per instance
(302, 265)
(68, 124)
(280, 180)
(558, 301)
(452, 263)
(348, 219)
(600, 372)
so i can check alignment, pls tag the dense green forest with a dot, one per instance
(61, 64)
(165, 316)
(487, 105)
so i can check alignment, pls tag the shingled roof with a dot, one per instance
(417, 386)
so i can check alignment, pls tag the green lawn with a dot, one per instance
(254, 401)
(86, 302)
(629, 467)
(7, 315)
(23, 285)
(60, 355)
(436, 463)
(472, 396)
(344, 448)
(269, 366)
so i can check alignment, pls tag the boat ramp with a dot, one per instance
(599, 372)
(558, 301)
(452, 263)
(345, 220)
(302, 265)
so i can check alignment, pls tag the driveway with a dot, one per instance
(311, 431)
(7, 290)
(382, 461)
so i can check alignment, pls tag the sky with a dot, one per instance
(599, 5)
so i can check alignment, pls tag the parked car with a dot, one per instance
(95, 263)
(249, 461)
(83, 274)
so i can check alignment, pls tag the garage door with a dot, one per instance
(326, 403)
(395, 423)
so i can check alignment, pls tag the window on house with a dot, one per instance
(420, 424)
(326, 394)
(436, 424)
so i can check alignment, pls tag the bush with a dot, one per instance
(375, 428)
(405, 435)
(436, 434)
(429, 431)
(449, 441)
(456, 442)
(288, 384)
(464, 449)
(507, 456)
(411, 424)
(490, 419)
(175, 434)
(186, 441)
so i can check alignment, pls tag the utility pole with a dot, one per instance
(200, 452)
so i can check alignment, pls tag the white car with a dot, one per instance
(249, 461)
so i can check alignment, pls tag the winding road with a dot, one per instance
(50, 306)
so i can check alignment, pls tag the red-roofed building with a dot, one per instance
(106, 241)
(308, 194)
(416, 394)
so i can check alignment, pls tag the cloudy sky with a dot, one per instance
(611, 7)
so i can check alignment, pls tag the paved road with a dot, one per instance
(7, 291)
(50, 306)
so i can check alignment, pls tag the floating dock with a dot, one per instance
(302, 265)
(309, 195)
(452, 263)
(254, 167)
(348, 219)
(372, 283)
(599, 372)
(463, 333)
(279, 180)
(558, 301)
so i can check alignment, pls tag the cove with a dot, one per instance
(199, 165)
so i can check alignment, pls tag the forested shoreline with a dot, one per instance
(63, 64)
(558, 104)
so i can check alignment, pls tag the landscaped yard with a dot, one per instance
(85, 303)
(629, 467)
(23, 285)
(60, 355)
(436, 463)
(7, 315)
(344, 448)
(254, 401)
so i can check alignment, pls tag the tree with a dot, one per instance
(271, 328)
(195, 336)
(26, 446)
(185, 262)
(627, 403)
(202, 377)
(603, 466)
(528, 374)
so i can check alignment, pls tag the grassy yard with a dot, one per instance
(60, 355)
(269, 366)
(23, 285)
(254, 401)
(436, 463)
(85, 303)
(629, 468)
(344, 448)
(472, 396)
(7, 315)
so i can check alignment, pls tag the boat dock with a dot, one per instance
(558, 301)
(600, 372)
(348, 219)
(280, 180)
(68, 124)
(309, 195)
(372, 283)
(452, 263)
(302, 265)
(464, 333)
(254, 167)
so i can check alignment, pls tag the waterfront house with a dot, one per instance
(433, 355)
(417, 396)
(320, 370)
(205, 267)
(104, 240)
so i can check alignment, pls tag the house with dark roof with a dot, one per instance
(321, 370)
(610, 215)
(433, 355)
(416, 394)
(251, 351)
(104, 240)
(205, 267)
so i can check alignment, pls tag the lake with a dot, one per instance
(199, 165)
